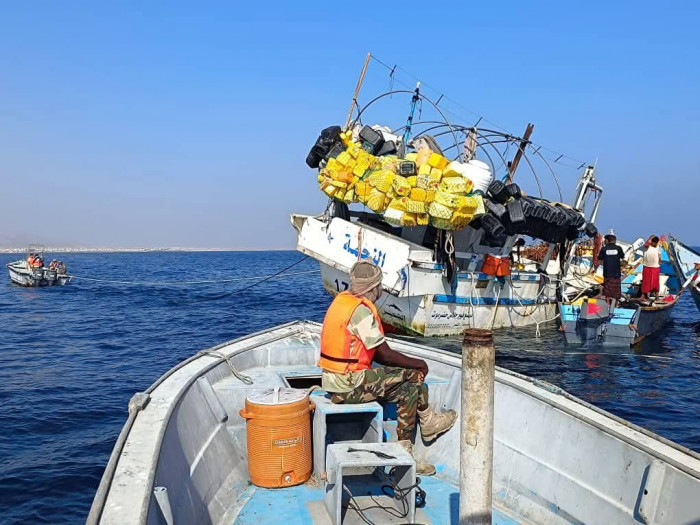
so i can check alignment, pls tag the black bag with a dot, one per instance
(336, 150)
(325, 141)
(591, 230)
(514, 190)
(498, 191)
(389, 148)
(515, 211)
(492, 226)
(373, 138)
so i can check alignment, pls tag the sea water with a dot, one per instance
(71, 357)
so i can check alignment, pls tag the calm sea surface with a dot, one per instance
(71, 357)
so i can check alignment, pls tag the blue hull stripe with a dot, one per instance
(487, 301)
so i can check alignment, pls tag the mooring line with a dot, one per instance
(187, 283)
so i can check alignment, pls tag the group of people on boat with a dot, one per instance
(352, 338)
(611, 256)
(36, 261)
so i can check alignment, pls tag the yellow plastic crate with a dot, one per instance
(437, 161)
(443, 224)
(344, 158)
(468, 207)
(460, 220)
(377, 201)
(424, 169)
(320, 177)
(450, 200)
(416, 206)
(430, 195)
(338, 183)
(453, 169)
(412, 180)
(413, 157)
(453, 185)
(418, 194)
(439, 211)
(382, 180)
(349, 196)
(401, 186)
(362, 189)
(480, 208)
(409, 220)
(423, 181)
(423, 219)
(435, 174)
(398, 204)
(353, 149)
(389, 162)
(468, 184)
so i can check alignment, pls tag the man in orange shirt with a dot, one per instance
(352, 338)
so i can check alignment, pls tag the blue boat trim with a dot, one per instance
(482, 301)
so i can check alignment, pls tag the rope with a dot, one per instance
(187, 283)
(239, 375)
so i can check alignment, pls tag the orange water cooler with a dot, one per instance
(278, 428)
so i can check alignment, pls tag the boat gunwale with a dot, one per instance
(538, 389)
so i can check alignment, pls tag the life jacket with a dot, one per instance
(342, 351)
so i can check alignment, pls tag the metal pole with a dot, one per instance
(476, 441)
(521, 150)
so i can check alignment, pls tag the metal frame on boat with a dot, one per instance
(181, 457)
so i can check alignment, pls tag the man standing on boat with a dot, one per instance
(652, 266)
(611, 255)
(352, 338)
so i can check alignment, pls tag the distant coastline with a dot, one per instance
(105, 249)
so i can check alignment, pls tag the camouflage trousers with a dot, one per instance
(402, 386)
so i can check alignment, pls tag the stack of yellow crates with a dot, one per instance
(436, 194)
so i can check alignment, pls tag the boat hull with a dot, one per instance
(183, 449)
(21, 275)
(418, 298)
(435, 315)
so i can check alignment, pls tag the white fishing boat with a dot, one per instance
(182, 456)
(686, 261)
(446, 262)
(32, 272)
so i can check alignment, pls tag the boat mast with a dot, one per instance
(360, 80)
(519, 154)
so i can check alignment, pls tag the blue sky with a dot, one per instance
(182, 124)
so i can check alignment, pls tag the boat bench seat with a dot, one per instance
(336, 423)
(359, 459)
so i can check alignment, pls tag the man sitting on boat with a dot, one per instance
(352, 338)
(611, 255)
(652, 266)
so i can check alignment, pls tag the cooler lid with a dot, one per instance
(277, 396)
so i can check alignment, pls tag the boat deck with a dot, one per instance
(303, 504)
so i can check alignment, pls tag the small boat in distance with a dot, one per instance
(31, 271)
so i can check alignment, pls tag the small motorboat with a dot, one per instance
(31, 270)
(588, 319)
(183, 454)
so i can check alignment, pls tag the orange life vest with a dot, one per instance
(342, 351)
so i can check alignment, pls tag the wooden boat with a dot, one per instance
(685, 260)
(590, 320)
(182, 457)
(24, 273)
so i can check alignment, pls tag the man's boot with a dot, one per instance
(433, 423)
(422, 468)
